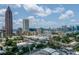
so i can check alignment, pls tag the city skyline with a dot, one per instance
(45, 16)
(39, 29)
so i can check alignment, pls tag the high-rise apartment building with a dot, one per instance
(26, 25)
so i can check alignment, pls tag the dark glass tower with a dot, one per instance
(8, 22)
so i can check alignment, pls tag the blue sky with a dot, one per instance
(42, 15)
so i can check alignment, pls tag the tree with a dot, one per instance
(11, 46)
(57, 38)
(77, 38)
(21, 38)
(66, 39)
(40, 46)
(76, 47)
(54, 45)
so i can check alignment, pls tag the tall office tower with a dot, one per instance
(8, 22)
(25, 25)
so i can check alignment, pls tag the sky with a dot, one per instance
(42, 15)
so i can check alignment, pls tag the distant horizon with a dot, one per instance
(42, 15)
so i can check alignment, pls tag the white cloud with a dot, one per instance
(2, 22)
(34, 22)
(68, 14)
(2, 11)
(38, 10)
(59, 10)
(15, 13)
(18, 5)
(17, 23)
(2, 18)
(14, 5)
(73, 20)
